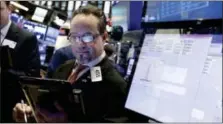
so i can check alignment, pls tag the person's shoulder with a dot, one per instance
(112, 76)
(63, 70)
(67, 64)
(26, 33)
(66, 49)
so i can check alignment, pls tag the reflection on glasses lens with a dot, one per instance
(87, 38)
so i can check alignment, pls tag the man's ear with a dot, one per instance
(105, 36)
(10, 8)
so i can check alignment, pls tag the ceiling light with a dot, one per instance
(19, 5)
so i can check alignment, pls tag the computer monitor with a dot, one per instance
(14, 17)
(51, 35)
(120, 15)
(162, 11)
(38, 29)
(178, 78)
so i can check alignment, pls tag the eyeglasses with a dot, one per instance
(86, 38)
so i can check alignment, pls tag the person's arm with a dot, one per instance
(116, 98)
(32, 56)
(56, 60)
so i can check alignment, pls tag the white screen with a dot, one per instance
(178, 78)
(37, 2)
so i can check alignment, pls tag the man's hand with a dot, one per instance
(19, 110)
(45, 116)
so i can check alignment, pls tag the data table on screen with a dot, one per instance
(178, 79)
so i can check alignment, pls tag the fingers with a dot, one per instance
(21, 107)
(19, 110)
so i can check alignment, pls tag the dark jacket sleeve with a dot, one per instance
(59, 57)
(117, 96)
(55, 62)
(33, 57)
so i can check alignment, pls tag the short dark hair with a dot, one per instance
(7, 3)
(87, 10)
(109, 50)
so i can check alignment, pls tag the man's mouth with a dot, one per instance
(82, 51)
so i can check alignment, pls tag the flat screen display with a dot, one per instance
(14, 17)
(162, 11)
(38, 29)
(178, 78)
(120, 15)
(51, 35)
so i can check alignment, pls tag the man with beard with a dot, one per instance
(103, 88)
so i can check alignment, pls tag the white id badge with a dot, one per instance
(96, 74)
(10, 43)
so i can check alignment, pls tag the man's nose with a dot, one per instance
(80, 42)
(82, 48)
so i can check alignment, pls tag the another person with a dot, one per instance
(103, 99)
(110, 52)
(25, 58)
(59, 57)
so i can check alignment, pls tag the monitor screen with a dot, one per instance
(161, 11)
(38, 29)
(120, 15)
(178, 78)
(51, 35)
(14, 17)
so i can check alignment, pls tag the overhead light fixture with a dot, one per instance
(59, 21)
(107, 5)
(77, 5)
(49, 4)
(43, 2)
(37, 2)
(19, 5)
(70, 6)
